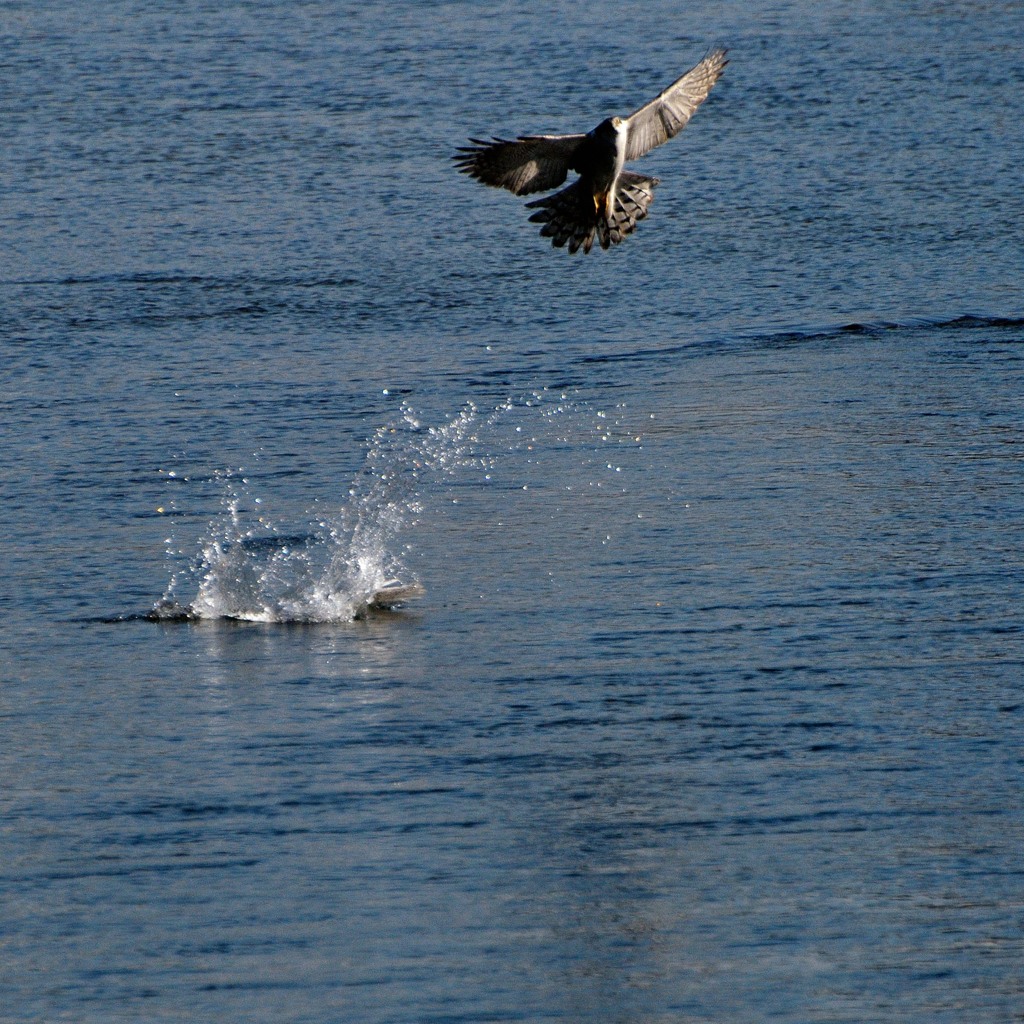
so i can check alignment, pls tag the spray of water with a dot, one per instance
(330, 570)
(250, 570)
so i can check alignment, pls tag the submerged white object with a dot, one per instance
(394, 592)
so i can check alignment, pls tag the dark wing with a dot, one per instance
(532, 163)
(666, 115)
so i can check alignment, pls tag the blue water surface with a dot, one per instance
(711, 709)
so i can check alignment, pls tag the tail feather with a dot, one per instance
(634, 194)
(569, 218)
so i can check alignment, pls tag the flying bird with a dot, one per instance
(606, 200)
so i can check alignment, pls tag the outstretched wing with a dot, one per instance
(531, 163)
(666, 115)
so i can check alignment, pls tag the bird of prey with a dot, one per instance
(605, 200)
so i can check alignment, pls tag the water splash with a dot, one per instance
(248, 569)
(329, 570)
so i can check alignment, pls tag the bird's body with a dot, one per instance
(606, 201)
(600, 157)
